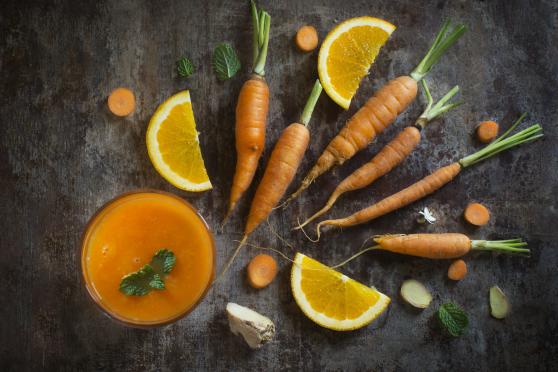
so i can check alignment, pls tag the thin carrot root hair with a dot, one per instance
(301, 228)
(231, 259)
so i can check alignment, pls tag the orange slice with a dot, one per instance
(347, 53)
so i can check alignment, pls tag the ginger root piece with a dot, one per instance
(255, 328)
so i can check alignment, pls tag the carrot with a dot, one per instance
(306, 38)
(476, 214)
(379, 111)
(261, 271)
(439, 246)
(121, 102)
(487, 131)
(251, 112)
(457, 270)
(437, 179)
(392, 154)
(281, 169)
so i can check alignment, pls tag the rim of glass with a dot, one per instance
(93, 295)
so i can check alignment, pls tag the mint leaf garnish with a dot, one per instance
(150, 276)
(157, 282)
(225, 61)
(185, 67)
(163, 261)
(453, 318)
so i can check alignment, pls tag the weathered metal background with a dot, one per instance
(63, 155)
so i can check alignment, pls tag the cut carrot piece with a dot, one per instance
(121, 102)
(476, 214)
(457, 270)
(306, 38)
(487, 131)
(261, 270)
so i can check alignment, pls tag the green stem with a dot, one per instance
(263, 24)
(433, 111)
(441, 43)
(256, 32)
(311, 103)
(503, 143)
(505, 246)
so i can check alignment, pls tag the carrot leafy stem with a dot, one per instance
(441, 43)
(504, 142)
(432, 110)
(311, 103)
(260, 40)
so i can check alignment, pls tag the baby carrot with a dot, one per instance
(439, 246)
(251, 112)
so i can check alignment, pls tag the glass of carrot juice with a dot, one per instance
(125, 234)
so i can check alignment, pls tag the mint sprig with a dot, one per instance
(225, 61)
(453, 318)
(150, 276)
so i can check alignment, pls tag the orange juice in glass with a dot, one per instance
(125, 234)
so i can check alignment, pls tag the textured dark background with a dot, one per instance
(63, 155)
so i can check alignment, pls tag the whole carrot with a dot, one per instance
(251, 112)
(437, 179)
(280, 170)
(379, 111)
(439, 246)
(392, 154)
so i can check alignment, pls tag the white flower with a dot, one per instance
(427, 216)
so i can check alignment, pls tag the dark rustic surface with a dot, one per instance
(63, 155)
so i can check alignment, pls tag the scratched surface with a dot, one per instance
(63, 155)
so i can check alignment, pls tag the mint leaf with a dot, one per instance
(157, 282)
(225, 61)
(163, 261)
(150, 276)
(185, 67)
(137, 283)
(453, 318)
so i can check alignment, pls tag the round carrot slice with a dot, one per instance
(121, 102)
(457, 270)
(476, 214)
(487, 131)
(306, 38)
(261, 270)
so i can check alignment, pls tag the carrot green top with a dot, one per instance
(260, 22)
(504, 142)
(441, 43)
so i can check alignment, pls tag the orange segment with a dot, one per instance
(173, 144)
(331, 299)
(347, 54)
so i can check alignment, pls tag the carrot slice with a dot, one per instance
(306, 38)
(457, 270)
(487, 131)
(121, 102)
(476, 214)
(261, 270)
